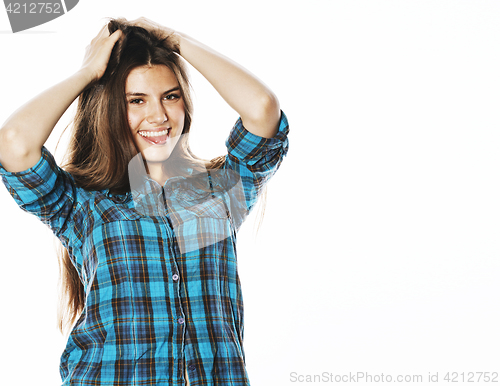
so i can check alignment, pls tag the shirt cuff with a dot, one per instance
(31, 184)
(249, 147)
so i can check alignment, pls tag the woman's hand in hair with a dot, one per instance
(98, 52)
(26, 130)
(168, 35)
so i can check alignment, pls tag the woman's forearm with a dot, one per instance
(244, 92)
(24, 133)
(27, 129)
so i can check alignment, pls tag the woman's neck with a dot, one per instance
(156, 173)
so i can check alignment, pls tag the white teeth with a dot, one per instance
(153, 133)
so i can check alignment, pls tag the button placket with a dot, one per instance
(168, 194)
(170, 260)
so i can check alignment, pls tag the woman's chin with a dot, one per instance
(158, 153)
(155, 156)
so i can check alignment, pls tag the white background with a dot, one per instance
(379, 250)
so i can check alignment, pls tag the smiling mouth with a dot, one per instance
(155, 137)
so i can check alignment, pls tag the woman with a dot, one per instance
(148, 229)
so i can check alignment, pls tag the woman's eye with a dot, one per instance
(172, 97)
(135, 101)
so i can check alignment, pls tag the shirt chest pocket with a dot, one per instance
(126, 237)
(111, 226)
(200, 223)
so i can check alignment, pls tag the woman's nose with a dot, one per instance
(157, 115)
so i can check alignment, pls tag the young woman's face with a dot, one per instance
(155, 110)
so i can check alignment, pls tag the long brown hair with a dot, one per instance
(100, 149)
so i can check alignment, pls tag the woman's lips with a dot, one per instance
(155, 137)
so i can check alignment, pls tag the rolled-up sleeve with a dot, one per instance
(46, 191)
(255, 159)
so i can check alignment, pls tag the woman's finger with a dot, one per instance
(115, 36)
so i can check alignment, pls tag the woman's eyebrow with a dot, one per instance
(143, 94)
(135, 94)
(172, 89)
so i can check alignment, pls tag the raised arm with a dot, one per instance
(26, 130)
(256, 104)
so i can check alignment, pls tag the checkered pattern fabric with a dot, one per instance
(162, 287)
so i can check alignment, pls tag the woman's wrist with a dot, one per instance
(85, 75)
(175, 40)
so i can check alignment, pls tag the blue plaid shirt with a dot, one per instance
(162, 287)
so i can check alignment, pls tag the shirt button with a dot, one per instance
(175, 277)
(180, 320)
(191, 367)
